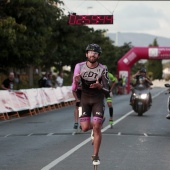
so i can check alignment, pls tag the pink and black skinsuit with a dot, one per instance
(92, 99)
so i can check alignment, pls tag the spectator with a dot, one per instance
(42, 80)
(8, 84)
(49, 80)
(59, 80)
(17, 81)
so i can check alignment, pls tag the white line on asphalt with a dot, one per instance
(7, 135)
(64, 156)
(50, 134)
(61, 158)
(145, 135)
(119, 133)
(30, 134)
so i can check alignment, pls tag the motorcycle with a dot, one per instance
(168, 101)
(141, 98)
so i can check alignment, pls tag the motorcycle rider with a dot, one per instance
(146, 81)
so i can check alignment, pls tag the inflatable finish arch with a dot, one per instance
(137, 53)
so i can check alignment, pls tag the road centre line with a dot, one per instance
(64, 156)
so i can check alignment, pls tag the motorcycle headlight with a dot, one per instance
(143, 96)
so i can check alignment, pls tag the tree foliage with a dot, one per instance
(27, 28)
(35, 33)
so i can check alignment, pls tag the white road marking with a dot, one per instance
(7, 135)
(145, 135)
(119, 133)
(30, 134)
(73, 133)
(50, 134)
(64, 156)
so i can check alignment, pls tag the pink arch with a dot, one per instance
(137, 53)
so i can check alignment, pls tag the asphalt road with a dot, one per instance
(46, 142)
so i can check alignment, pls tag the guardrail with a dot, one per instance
(34, 100)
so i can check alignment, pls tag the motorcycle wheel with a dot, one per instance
(140, 110)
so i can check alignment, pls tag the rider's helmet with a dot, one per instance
(94, 47)
(143, 70)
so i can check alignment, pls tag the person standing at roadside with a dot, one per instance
(49, 82)
(8, 84)
(59, 80)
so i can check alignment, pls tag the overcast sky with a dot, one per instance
(152, 17)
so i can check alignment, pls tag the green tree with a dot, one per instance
(36, 19)
(10, 31)
(36, 34)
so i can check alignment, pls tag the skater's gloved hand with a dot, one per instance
(96, 85)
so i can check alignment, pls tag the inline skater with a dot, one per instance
(77, 96)
(94, 79)
(112, 83)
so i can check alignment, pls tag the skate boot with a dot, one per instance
(95, 160)
(75, 127)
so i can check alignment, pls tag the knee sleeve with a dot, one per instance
(97, 119)
(84, 119)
